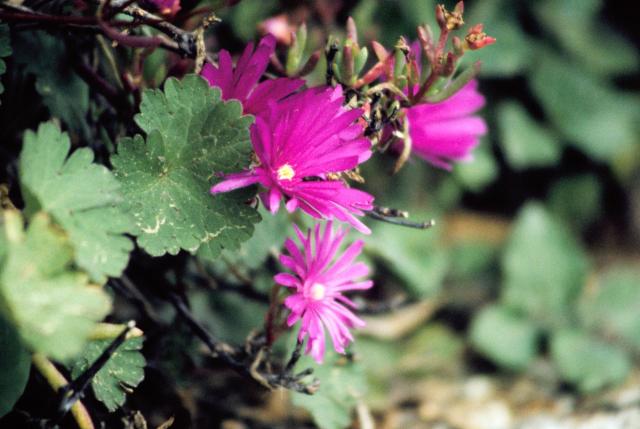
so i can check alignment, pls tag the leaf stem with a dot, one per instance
(57, 381)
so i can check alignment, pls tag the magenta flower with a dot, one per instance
(447, 131)
(301, 142)
(319, 284)
(241, 82)
(166, 7)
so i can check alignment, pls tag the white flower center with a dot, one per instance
(317, 291)
(286, 172)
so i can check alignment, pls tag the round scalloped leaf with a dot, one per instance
(81, 196)
(191, 135)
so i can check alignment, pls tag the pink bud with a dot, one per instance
(279, 27)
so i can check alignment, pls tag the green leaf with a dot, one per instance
(594, 117)
(5, 50)
(268, 238)
(191, 134)
(433, 349)
(229, 315)
(505, 338)
(577, 200)
(416, 12)
(612, 311)
(53, 307)
(478, 173)
(123, 371)
(245, 16)
(543, 266)
(342, 384)
(15, 363)
(576, 26)
(83, 198)
(470, 259)
(63, 92)
(588, 363)
(413, 256)
(526, 143)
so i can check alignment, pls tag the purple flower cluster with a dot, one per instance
(304, 139)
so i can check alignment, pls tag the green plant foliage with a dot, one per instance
(576, 200)
(543, 267)
(246, 15)
(82, 197)
(5, 50)
(504, 337)
(470, 259)
(229, 315)
(191, 134)
(433, 349)
(588, 363)
(526, 143)
(415, 257)
(480, 172)
(268, 237)
(53, 307)
(62, 91)
(123, 371)
(576, 26)
(596, 119)
(512, 53)
(612, 311)
(15, 363)
(342, 384)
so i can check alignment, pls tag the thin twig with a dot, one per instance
(73, 391)
(247, 365)
(295, 357)
(57, 381)
(397, 217)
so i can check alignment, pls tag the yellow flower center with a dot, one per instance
(286, 172)
(317, 291)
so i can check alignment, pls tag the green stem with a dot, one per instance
(57, 381)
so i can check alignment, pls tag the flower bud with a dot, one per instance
(477, 39)
(296, 51)
(279, 27)
(311, 64)
(352, 31)
(450, 20)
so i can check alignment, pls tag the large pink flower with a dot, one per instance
(241, 82)
(300, 143)
(319, 284)
(447, 131)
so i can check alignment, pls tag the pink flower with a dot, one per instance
(440, 132)
(301, 142)
(447, 131)
(241, 82)
(319, 284)
(167, 7)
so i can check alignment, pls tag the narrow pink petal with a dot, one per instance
(286, 279)
(235, 181)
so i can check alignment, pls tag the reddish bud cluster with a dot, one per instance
(477, 39)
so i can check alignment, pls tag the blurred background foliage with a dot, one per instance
(532, 269)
